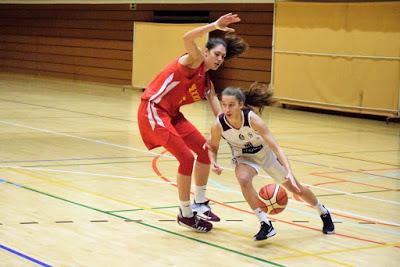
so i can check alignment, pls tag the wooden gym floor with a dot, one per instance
(78, 187)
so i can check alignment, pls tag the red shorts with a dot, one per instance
(156, 125)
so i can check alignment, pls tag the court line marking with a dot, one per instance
(335, 211)
(71, 159)
(168, 156)
(156, 170)
(22, 255)
(396, 244)
(64, 184)
(115, 118)
(157, 181)
(340, 180)
(343, 157)
(152, 226)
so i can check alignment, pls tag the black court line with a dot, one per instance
(329, 154)
(88, 164)
(366, 151)
(28, 223)
(99, 221)
(133, 220)
(64, 221)
(113, 118)
(366, 223)
(375, 191)
(73, 159)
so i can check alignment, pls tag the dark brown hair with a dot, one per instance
(258, 95)
(234, 44)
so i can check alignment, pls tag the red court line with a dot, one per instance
(363, 170)
(383, 169)
(347, 181)
(332, 182)
(156, 170)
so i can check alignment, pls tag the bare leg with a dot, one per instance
(183, 182)
(201, 173)
(244, 175)
(305, 193)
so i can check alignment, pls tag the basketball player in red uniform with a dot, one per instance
(253, 147)
(182, 82)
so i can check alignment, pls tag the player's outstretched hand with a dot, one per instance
(225, 20)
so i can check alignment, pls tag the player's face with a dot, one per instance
(214, 57)
(231, 106)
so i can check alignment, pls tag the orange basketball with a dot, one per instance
(273, 198)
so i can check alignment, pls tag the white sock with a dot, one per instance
(186, 209)
(320, 208)
(200, 193)
(262, 216)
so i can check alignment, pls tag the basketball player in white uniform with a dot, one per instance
(253, 147)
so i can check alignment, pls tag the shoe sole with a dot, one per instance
(209, 219)
(329, 232)
(271, 234)
(194, 229)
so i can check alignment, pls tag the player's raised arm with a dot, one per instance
(194, 56)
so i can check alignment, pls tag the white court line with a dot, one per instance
(165, 182)
(168, 156)
(145, 180)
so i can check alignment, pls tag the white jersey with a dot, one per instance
(249, 148)
(245, 141)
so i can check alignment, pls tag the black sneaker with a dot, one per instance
(329, 227)
(196, 223)
(266, 231)
(204, 211)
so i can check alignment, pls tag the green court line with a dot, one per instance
(148, 225)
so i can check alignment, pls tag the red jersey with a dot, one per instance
(177, 85)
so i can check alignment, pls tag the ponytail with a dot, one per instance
(259, 95)
(234, 45)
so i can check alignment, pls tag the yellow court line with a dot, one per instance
(240, 234)
(29, 173)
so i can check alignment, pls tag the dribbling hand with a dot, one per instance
(216, 168)
(290, 177)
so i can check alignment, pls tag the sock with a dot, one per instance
(320, 208)
(200, 193)
(262, 216)
(186, 209)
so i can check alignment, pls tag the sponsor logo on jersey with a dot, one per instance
(194, 93)
(250, 149)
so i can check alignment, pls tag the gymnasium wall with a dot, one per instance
(94, 42)
(341, 56)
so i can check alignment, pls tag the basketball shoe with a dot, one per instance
(266, 231)
(204, 211)
(329, 227)
(196, 223)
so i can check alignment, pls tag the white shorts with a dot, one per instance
(269, 164)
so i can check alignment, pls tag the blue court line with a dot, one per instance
(4, 181)
(24, 256)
